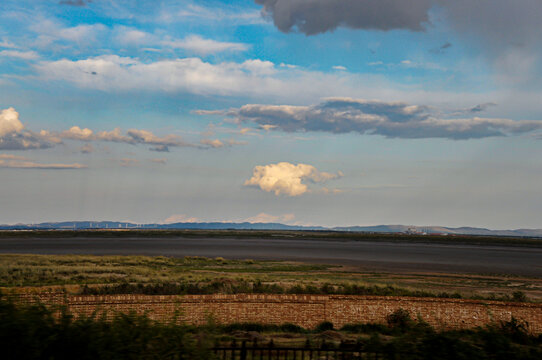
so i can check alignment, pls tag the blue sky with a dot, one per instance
(303, 111)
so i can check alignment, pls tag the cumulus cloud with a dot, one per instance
(390, 119)
(286, 179)
(76, 133)
(317, 16)
(14, 136)
(202, 46)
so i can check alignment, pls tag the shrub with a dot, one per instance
(400, 319)
(324, 326)
(519, 296)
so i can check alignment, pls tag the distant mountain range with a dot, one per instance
(86, 225)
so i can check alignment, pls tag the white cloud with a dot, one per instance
(49, 31)
(191, 75)
(181, 218)
(339, 67)
(22, 164)
(132, 37)
(267, 218)
(285, 178)
(23, 55)
(259, 67)
(290, 66)
(202, 46)
(253, 78)
(4, 43)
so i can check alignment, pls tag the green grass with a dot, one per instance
(197, 275)
(37, 270)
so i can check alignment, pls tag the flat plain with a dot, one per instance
(471, 267)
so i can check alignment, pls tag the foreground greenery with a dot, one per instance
(34, 332)
(87, 274)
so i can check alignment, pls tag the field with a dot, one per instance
(151, 275)
(40, 334)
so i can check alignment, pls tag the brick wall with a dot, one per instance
(303, 310)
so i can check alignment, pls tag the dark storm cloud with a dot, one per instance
(80, 3)
(317, 16)
(495, 22)
(390, 119)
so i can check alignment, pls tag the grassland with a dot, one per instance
(107, 274)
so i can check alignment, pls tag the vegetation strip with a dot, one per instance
(33, 331)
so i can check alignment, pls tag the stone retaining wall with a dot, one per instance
(303, 310)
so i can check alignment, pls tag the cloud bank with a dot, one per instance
(389, 119)
(286, 179)
(14, 136)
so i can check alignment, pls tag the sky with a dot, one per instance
(308, 112)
